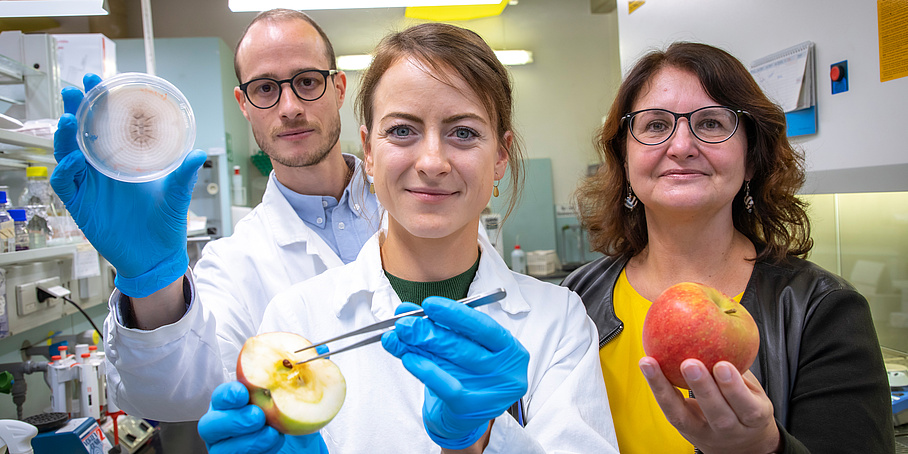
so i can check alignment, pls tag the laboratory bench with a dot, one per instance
(554, 278)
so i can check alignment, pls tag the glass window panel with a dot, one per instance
(864, 237)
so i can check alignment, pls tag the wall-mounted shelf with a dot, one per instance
(17, 150)
(13, 72)
(32, 255)
(25, 140)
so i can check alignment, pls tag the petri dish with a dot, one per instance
(135, 127)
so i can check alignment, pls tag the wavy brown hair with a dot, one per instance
(450, 50)
(778, 226)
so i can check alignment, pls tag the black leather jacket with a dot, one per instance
(819, 361)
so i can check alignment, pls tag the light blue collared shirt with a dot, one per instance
(344, 224)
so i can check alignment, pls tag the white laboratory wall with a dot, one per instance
(860, 143)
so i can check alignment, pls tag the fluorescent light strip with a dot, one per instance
(506, 57)
(353, 62)
(514, 57)
(48, 8)
(307, 5)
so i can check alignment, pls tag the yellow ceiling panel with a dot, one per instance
(454, 13)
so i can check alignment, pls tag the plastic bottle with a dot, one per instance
(7, 227)
(20, 229)
(518, 260)
(17, 436)
(38, 231)
(239, 192)
(39, 202)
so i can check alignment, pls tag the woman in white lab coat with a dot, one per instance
(437, 135)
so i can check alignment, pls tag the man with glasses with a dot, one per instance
(174, 335)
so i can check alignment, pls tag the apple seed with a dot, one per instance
(287, 364)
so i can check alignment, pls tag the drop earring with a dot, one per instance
(748, 200)
(630, 202)
(372, 188)
(495, 188)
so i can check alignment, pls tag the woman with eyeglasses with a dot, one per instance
(698, 184)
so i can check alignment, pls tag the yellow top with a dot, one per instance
(36, 171)
(639, 422)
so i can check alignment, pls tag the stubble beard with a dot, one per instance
(306, 159)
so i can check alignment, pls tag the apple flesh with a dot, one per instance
(297, 399)
(690, 320)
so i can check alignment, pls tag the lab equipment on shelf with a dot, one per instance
(20, 229)
(518, 260)
(492, 223)
(7, 227)
(40, 204)
(542, 263)
(77, 382)
(239, 191)
(77, 436)
(573, 247)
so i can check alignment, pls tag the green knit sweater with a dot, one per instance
(454, 288)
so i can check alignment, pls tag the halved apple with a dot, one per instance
(297, 399)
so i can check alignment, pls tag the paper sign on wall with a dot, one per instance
(893, 28)
(85, 262)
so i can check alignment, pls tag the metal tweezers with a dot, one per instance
(473, 301)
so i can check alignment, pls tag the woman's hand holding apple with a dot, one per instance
(731, 412)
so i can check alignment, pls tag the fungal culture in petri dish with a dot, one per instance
(135, 127)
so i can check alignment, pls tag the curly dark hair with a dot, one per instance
(778, 226)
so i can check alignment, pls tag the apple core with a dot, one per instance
(297, 399)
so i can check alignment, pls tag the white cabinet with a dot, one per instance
(29, 75)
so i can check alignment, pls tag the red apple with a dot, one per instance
(297, 399)
(690, 320)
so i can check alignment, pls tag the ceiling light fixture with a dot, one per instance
(455, 13)
(514, 57)
(48, 8)
(353, 62)
(362, 61)
(307, 5)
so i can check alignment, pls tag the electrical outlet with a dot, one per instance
(48, 283)
(27, 298)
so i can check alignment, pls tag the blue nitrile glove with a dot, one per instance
(473, 368)
(140, 228)
(234, 426)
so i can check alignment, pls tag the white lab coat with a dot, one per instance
(168, 374)
(566, 405)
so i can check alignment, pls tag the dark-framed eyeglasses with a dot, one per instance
(710, 124)
(308, 85)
